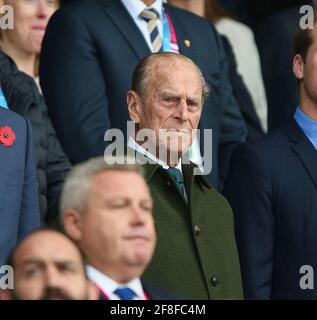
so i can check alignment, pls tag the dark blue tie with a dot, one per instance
(178, 178)
(125, 293)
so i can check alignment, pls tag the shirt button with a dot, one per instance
(214, 281)
(197, 230)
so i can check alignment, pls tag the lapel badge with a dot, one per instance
(187, 43)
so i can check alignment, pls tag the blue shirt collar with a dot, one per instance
(308, 125)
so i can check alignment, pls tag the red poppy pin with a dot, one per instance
(7, 136)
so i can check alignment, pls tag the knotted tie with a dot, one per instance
(178, 177)
(125, 293)
(150, 16)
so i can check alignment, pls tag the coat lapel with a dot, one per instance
(303, 149)
(116, 11)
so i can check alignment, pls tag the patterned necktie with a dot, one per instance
(178, 178)
(125, 293)
(151, 16)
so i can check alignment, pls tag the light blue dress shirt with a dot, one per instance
(3, 101)
(308, 125)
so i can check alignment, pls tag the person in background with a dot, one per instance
(247, 62)
(272, 188)
(107, 210)
(89, 53)
(48, 266)
(19, 54)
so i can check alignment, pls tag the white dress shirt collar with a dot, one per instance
(135, 146)
(135, 7)
(108, 286)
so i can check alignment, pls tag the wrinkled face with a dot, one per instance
(48, 266)
(172, 106)
(118, 235)
(30, 21)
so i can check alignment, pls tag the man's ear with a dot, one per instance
(134, 106)
(73, 224)
(298, 67)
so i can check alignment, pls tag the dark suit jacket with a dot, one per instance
(89, 53)
(272, 188)
(19, 202)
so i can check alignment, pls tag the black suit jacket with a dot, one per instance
(89, 53)
(272, 188)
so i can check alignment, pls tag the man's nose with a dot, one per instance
(138, 216)
(53, 277)
(42, 9)
(182, 111)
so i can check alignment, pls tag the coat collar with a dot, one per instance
(303, 148)
(150, 170)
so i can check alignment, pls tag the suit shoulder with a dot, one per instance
(83, 9)
(276, 139)
(11, 118)
(266, 154)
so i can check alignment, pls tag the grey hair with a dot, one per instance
(142, 75)
(76, 187)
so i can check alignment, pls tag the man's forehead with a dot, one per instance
(58, 247)
(46, 260)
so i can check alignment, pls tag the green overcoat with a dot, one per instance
(196, 254)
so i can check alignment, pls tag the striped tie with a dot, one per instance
(150, 17)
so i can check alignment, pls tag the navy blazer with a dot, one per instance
(19, 202)
(89, 53)
(272, 188)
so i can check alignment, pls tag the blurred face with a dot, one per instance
(30, 21)
(310, 70)
(48, 266)
(117, 234)
(172, 105)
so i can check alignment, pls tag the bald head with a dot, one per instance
(151, 67)
(47, 265)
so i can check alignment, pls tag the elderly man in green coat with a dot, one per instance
(196, 254)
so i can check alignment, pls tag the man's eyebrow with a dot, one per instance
(68, 263)
(168, 94)
(28, 262)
